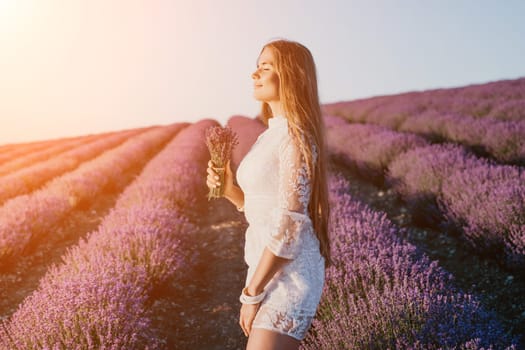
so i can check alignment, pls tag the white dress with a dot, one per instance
(277, 190)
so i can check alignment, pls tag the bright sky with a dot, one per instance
(73, 67)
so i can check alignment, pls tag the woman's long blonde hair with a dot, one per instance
(299, 97)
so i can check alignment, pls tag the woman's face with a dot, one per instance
(265, 78)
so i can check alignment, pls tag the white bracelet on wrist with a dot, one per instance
(247, 299)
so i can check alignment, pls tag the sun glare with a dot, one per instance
(7, 10)
(13, 13)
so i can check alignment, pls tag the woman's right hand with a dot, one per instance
(212, 180)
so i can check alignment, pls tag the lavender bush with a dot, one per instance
(515, 246)
(423, 169)
(509, 110)
(382, 293)
(506, 142)
(347, 143)
(418, 175)
(489, 201)
(369, 149)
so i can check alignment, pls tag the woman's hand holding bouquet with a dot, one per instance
(214, 179)
(220, 142)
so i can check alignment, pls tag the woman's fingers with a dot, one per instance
(249, 322)
(212, 173)
(213, 179)
(242, 319)
(241, 323)
(247, 316)
(213, 176)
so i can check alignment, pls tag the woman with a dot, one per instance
(283, 193)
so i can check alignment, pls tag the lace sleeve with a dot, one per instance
(290, 217)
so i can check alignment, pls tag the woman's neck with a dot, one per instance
(276, 107)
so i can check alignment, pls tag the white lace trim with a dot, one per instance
(269, 318)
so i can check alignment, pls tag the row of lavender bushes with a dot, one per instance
(29, 217)
(443, 184)
(381, 293)
(100, 297)
(21, 161)
(12, 151)
(31, 177)
(436, 114)
(7, 148)
(502, 100)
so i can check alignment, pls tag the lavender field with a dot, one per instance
(108, 241)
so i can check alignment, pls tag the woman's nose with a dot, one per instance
(255, 74)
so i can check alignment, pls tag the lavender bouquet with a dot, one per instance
(220, 142)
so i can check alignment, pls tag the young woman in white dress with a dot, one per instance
(283, 193)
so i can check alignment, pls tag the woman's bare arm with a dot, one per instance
(269, 264)
(235, 195)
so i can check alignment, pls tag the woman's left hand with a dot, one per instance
(248, 312)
